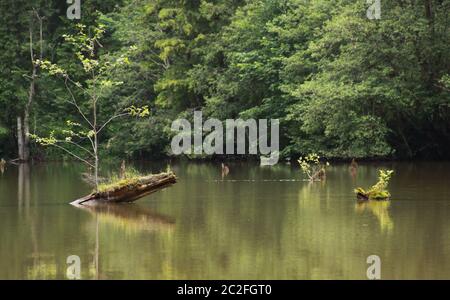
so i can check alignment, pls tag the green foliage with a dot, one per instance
(342, 85)
(131, 177)
(374, 83)
(3, 131)
(379, 190)
(3, 136)
(312, 167)
(141, 112)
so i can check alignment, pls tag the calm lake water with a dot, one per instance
(256, 223)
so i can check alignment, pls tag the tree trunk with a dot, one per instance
(20, 141)
(429, 63)
(95, 139)
(23, 129)
(26, 118)
(23, 126)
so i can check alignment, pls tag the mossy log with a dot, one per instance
(363, 195)
(133, 191)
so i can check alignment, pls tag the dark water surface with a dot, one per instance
(257, 223)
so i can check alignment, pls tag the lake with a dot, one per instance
(256, 223)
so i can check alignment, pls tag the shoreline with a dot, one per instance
(230, 160)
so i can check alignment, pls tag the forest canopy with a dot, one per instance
(342, 85)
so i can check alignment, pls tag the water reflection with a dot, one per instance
(258, 223)
(23, 186)
(130, 217)
(380, 209)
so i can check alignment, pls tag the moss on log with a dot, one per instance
(379, 190)
(363, 195)
(130, 190)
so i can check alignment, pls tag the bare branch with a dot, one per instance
(73, 154)
(76, 144)
(443, 87)
(111, 119)
(67, 77)
(40, 32)
(31, 44)
(74, 102)
(92, 142)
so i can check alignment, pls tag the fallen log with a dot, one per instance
(129, 190)
(362, 195)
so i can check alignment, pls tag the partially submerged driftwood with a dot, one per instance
(130, 192)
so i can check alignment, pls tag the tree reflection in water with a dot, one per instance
(380, 209)
(129, 217)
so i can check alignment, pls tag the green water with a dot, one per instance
(256, 223)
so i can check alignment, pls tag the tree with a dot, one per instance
(341, 84)
(375, 88)
(23, 126)
(19, 75)
(88, 130)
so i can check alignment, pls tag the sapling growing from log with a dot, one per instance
(84, 135)
(379, 190)
(312, 167)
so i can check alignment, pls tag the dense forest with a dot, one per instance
(342, 85)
